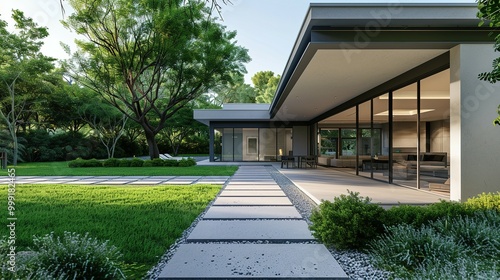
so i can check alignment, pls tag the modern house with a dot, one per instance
(386, 91)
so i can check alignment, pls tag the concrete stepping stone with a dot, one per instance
(246, 182)
(250, 230)
(252, 212)
(252, 201)
(250, 193)
(252, 187)
(262, 261)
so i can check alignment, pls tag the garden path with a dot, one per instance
(252, 230)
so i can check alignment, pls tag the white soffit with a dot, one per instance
(333, 77)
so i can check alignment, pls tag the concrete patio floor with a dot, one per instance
(325, 183)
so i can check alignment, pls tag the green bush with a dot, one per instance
(348, 222)
(136, 162)
(420, 215)
(84, 163)
(157, 162)
(77, 257)
(462, 247)
(147, 163)
(171, 163)
(480, 232)
(187, 162)
(405, 248)
(112, 162)
(125, 163)
(484, 201)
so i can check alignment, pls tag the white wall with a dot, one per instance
(475, 151)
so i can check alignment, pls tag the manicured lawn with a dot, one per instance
(62, 169)
(142, 221)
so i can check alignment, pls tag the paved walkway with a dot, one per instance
(252, 230)
(118, 180)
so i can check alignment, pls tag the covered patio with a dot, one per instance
(326, 183)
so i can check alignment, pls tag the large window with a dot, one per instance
(402, 136)
(251, 144)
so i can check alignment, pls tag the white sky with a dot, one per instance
(267, 28)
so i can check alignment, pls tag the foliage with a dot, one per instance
(159, 56)
(125, 163)
(171, 163)
(143, 221)
(420, 215)
(235, 91)
(187, 162)
(460, 247)
(350, 221)
(112, 162)
(265, 84)
(77, 256)
(62, 169)
(26, 75)
(488, 12)
(136, 162)
(405, 247)
(45, 146)
(84, 163)
(484, 201)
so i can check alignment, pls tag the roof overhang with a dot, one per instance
(346, 50)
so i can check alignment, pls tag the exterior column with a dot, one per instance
(474, 142)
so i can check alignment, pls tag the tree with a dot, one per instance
(489, 11)
(181, 126)
(233, 92)
(151, 58)
(25, 74)
(107, 123)
(265, 84)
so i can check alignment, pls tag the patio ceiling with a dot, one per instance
(326, 78)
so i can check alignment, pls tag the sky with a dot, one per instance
(267, 28)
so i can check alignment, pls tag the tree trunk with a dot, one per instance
(153, 146)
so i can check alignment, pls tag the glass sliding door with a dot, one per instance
(435, 136)
(405, 136)
(380, 139)
(284, 141)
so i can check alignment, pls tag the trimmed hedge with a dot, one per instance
(135, 162)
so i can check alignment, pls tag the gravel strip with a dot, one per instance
(355, 264)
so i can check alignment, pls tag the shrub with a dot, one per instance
(187, 162)
(484, 201)
(405, 248)
(147, 163)
(112, 162)
(171, 163)
(157, 162)
(124, 163)
(77, 257)
(84, 163)
(480, 232)
(348, 222)
(136, 162)
(420, 215)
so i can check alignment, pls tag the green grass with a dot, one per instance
(62, 169)
(143, 221)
